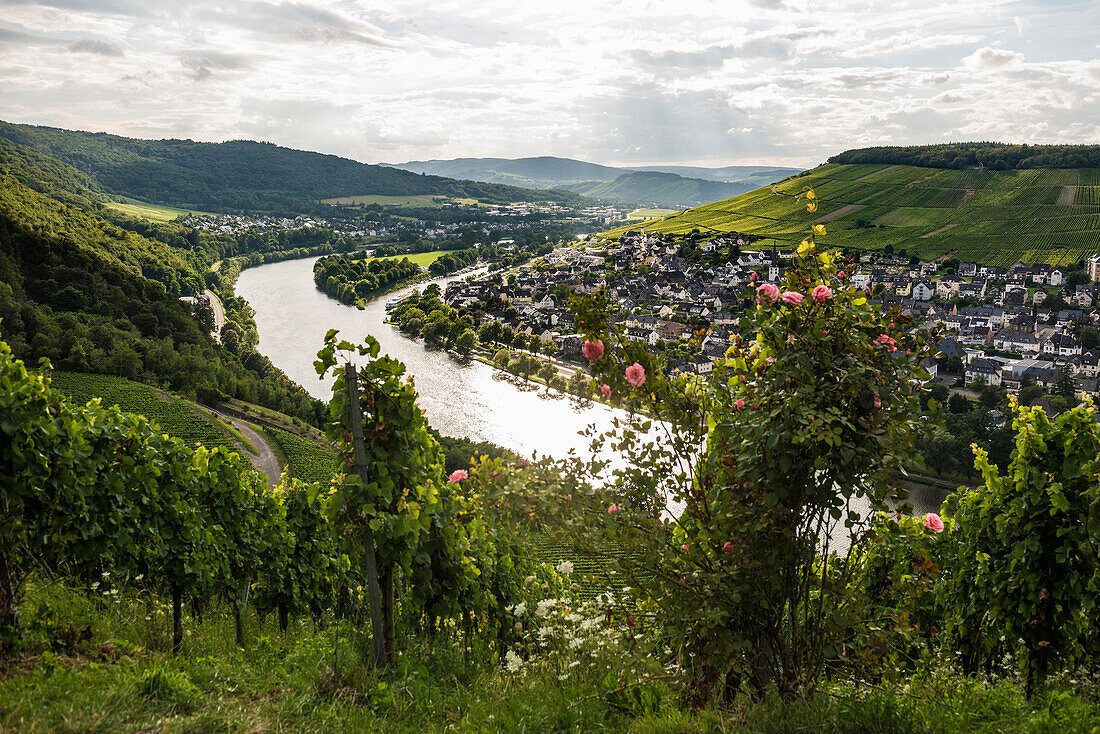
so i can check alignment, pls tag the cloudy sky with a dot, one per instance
(668, 81)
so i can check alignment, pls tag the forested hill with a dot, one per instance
(241, 174)
(994, 156)
(91, 296)
(661, 189)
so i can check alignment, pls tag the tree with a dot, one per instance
(991, 396)
(1064, 386)
(547, 372)
(466, 342)
(1030, 393)
(1090, 337)
(958, 403)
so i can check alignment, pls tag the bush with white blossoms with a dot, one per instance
(589, 640)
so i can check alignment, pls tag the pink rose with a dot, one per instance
(635, 375)
(727, 547)
(753, 277)
(792, 298)
(767, 291)
(933, 522)
(840, 275)
(686, 547)
(592, 350)
(822, 293)
(612, 510)
(606, 390)
(740, 404)
(458, 475)
(887, 341)
(878, 401)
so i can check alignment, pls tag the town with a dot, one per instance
(1012, 327)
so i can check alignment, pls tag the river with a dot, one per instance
(460, 397)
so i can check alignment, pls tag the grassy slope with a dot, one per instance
(995, 217)
(124, 680)
(177, 417)
(145, 210)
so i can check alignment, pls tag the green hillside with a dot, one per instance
(94, 297)
(663, 189)
(1047, 215)
(240, 174)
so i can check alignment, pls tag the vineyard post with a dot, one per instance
(355, 425)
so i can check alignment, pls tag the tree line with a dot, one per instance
(994, 156)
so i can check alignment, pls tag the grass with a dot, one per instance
(650, 213)
(998, 217)
(144, 210)
(175, 416)
(423, 259)
(123, 679)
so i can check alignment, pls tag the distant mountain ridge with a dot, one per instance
(240, 174)
(697, 184)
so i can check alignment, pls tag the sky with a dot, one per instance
(700, 82)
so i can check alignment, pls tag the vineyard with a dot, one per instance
(175, 417)
(305, 459)
(992, 217)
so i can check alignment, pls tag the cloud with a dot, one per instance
(91, 46)
(203, 63)
(986, 59)
(303, 22)
(909, 41)
(695, 80)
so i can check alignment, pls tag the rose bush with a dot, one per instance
(757, 473)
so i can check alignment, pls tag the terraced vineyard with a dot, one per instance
(993, 217)
(305, 459)
(175, 417)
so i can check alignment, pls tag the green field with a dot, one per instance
(994, 217)
(176, 417)
(143, 210)
(650, 213)
(420, 258)
(305, 459)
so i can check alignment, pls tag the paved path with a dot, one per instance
(1066, 195)
(266, 462)
(219, 313)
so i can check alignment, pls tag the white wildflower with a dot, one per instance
(544, 607)
(519, 609)
(512, 661)
(565, 568)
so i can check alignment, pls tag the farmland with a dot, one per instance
(650, 213)
(993, 217)
(424, 259)
(176, 417)
(305, 459)
(143, 210)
